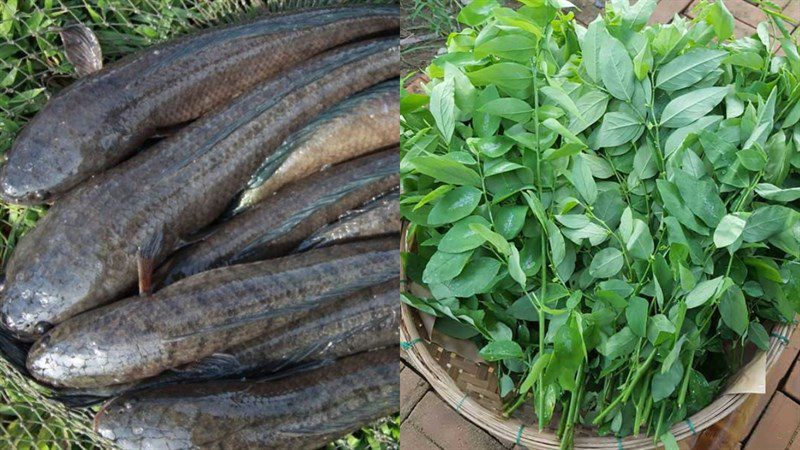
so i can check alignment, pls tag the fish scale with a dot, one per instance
(364, 321)
(83, 252)
(304, 411)
(279, 223)
(127, 102)
(140, 337)
(359, 125)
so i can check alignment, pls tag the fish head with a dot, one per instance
(131, 423)
(43, 162)
(21, 313)
(60, 360)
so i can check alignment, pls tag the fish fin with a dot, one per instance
(218, 364)
(81, 48)
(146, 256)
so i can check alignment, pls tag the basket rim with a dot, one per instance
(515, 430)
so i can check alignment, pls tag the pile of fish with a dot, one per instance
(221, 251)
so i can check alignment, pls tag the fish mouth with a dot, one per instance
(11, 193)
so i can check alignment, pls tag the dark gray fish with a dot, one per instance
(275, 226)
(359, 125)
(199, 316)
(100, 120)
(367, 320)
(301, 412)
(377, 218)
(84, 252)
(81, 48)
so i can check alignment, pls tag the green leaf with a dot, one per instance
(673, 355)
(507, 75)
(559, 96)
(443, 107)
(446, 170)
(758, 335)
(753, 159)
(618, 128)
(621, 344)
(640, 244)
(433, 195)
(729, 230)
(508, 16)
(485, 125)
(659, 329)
(476, 12)
(675, 206)
(536, 369)
(509, 108)
(664, 384)
(721, 19)
(703, 292)
(669, 441)
(733, 309)
(768, 221)
(687, 108)
(592, 44)
(606, 263)
(536, 207)
(772, 192)
(643, 62)
(445, 266)
(516, 47)
(557, 244)
(581, 178)
(568, 136)
(497, 241)
(616, 70)
(497, 350)
(455, 205)
(461, 238)
(592, 106)
(702, 198)
(476, 278)
(514, 268)
(764, 122)
(688, 69)
(636, 314)
(509, 220)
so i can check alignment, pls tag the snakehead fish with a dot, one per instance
(302, 412)
(87, 250)
(103, 118)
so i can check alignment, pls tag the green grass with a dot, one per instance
(33, 67)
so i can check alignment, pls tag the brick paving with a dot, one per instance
(764, 422)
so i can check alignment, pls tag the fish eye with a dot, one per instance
(42, 327)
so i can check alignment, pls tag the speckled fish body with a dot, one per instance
(377, 218)
(83, 253)
(357, 126)
(366, 320)
(301, 412)
(275, 226)
(100, 120)
(140, 337)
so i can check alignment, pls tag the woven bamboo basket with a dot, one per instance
(471, 388)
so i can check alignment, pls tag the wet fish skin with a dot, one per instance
(140, 337)
(305, 411)
(359, 125)
(83, 252)
(377, 218)
(275, 226)
(100, 120)
(367, 320)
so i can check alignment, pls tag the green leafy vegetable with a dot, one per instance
(609, 214)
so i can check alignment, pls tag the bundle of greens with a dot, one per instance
(610, 213)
